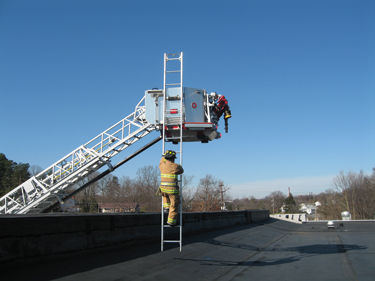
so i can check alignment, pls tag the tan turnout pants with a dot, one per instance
(172, 201)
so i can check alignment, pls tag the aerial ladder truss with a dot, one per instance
(49, 186)
(181, 115)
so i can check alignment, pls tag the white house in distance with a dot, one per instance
(307, 208)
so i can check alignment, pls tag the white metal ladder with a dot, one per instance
(173, 73)
(43, 190)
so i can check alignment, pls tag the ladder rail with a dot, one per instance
(181, 145)
(78, 164)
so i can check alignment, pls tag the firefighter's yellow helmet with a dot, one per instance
(170, 154)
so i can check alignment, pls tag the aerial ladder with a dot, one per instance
(49, 186)
(179, 113)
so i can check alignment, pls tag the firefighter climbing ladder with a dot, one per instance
(193, 118)
(45, 189)
(173, 73)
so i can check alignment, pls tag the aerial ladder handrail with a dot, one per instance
(86, 159)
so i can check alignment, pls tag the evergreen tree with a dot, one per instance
(290, 205)
(11, 174)
(89, 205)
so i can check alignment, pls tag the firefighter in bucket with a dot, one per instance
(169, 188)
(222, 107)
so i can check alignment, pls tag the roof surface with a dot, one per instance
(271, 250)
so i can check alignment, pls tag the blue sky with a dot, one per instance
(298, 75)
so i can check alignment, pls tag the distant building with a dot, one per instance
(224, 205)
(307, 208)
(119, 208)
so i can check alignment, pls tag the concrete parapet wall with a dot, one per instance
(297, 218)
(37, 235)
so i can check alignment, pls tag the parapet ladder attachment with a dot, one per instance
(45, 189)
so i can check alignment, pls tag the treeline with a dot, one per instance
(12, 174)
(273, 202)
(141, 193)
(125, 192)
(352, 192)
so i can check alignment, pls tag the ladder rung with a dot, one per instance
(173, 71)
(174, 84)
(167, 225)
(172, 241)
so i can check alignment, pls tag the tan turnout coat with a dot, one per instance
(169, 176)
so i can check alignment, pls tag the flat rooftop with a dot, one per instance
(270, 250)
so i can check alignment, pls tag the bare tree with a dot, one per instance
(342, 184)
(209, 194)
(246, 203)
(362, 196)
(353, 192)
(88, 196)
(331, 207)
(34, 170)
(187, 192)
(127, 195)
(103, 185)
(147, 183)
(274, 201)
